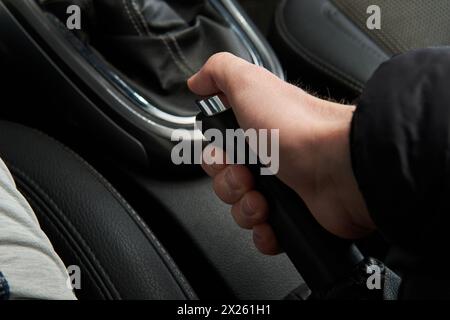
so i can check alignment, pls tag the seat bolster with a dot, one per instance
(88, 222)
(318, 33)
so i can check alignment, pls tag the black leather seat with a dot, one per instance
(88, 222)
(333, 37)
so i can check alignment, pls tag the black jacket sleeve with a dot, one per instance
(400, 155)
(400, 149)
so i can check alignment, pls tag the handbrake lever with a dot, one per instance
(320, 257)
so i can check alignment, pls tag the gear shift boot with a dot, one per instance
(157, 45)
(133, 57)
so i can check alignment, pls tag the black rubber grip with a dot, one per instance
(321, 258)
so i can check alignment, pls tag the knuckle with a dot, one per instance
(238, 218)
(245, 78)
(218, 59)
(239, 74)
(221, 56)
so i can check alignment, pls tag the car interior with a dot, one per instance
(87, 117)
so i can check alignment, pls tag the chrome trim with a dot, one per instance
(211, 106)
(148, 106)
(255, 38)
(132, 94)
(219, 6)
(159, 121)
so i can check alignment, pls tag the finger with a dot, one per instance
(251, 210)
(233, 183)
(265, 240)
(217, 75)
(247, 88)
(212, 168)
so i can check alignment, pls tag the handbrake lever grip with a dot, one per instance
(320, 257)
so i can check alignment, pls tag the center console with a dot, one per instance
(117, 86)
(135, 57)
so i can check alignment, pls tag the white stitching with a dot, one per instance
(130, 210)
(63, 237)
(180, 52)
(141, 17)
(309, 57)
(185, 69)
(69, 225)
(180, 65)
(127, 10)
(168, 259)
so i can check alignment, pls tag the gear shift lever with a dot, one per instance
(320, 257)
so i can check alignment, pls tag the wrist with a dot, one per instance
(337, 175)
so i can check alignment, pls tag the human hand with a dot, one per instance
(314, 150)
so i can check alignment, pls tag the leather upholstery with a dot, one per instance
(88, 222)
(404, 25)
(318, 33)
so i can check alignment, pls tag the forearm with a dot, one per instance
(399, 145)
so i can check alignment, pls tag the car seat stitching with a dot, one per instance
(138, 220)
(315, 61)
(386, 40)
(168, 259)
(69, 225)
(141, 223)
(358, 41)
(63, 237)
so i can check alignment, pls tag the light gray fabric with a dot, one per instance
(27, 258)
